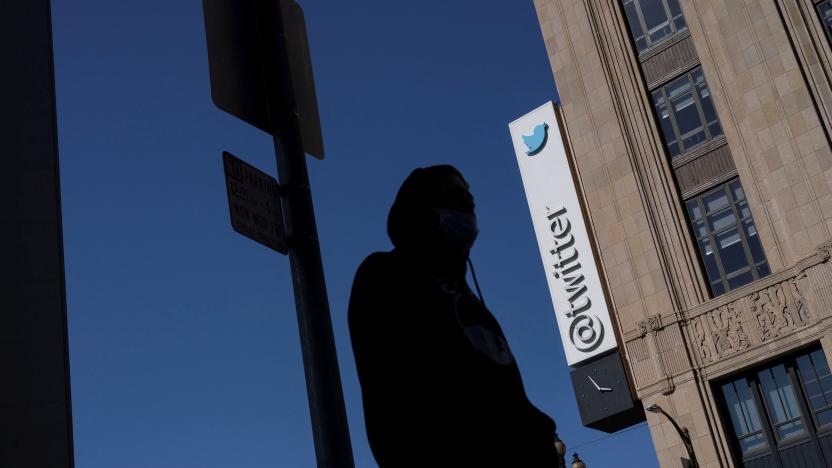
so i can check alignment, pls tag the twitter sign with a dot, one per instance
(580, 303)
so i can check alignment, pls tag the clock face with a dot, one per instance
(598, 387)
(602, 392)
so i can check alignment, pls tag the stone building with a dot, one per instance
(700, 135)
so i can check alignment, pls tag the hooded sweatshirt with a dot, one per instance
(439, 383)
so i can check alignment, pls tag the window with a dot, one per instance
(825, 12)
(781, 402)
(744, 416)
(652, 21)
(817, 382)
(726, 237)
(686, 113)
(784, 406)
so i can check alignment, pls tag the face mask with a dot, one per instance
(458, 229)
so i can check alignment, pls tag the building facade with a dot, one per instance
(35, 408)
(700, 137)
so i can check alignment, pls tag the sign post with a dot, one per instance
(261, 73)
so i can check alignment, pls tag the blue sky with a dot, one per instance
(183, 336)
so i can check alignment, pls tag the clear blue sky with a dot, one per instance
(183, 336)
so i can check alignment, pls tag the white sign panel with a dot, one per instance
(574, 283)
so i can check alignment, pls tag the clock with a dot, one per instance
(603, 395)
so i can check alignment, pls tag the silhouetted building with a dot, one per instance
(700, 133)
(35, 418)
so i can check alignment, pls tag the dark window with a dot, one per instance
(781, 407)
(817, 382)
(652, 21)
(781, 402)
(825, 12)
(726, 237)
(686, 113)
(744, 416)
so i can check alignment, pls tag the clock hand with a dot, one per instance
(599, 388)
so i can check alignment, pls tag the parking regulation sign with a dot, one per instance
(254, 203)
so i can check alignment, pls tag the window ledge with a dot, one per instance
(698, 151)
(663, 45)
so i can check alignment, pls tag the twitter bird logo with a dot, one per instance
(537, 140)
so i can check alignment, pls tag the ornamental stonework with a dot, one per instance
(779, 309)
(721, 332)
(757, 318)
(728, 329)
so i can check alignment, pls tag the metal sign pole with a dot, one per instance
(320, 361)
(261, 73)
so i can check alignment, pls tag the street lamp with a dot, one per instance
(577, 462)
(561, 449)
(683, 433)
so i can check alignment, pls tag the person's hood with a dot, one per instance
(412, 221)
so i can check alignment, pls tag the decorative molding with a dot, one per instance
(780, 309)
(728, 332)
(721, 332)
(825, 251)
(652, 324)
(750, 319)
(703, 347)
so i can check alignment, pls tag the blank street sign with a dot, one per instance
(238, 51)
(254, 203)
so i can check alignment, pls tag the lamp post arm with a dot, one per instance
(685, 436)
(675, 425)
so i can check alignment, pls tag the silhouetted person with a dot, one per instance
(439, 383)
